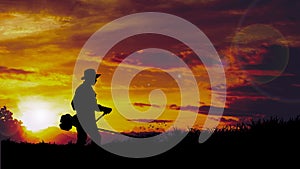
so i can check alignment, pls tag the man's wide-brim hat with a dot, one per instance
(90, 74)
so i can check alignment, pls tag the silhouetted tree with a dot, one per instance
(8, 125)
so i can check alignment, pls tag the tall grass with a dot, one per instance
(272, 130)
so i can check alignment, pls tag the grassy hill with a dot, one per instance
(259, 141)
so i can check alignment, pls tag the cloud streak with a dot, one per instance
(145, 105)
(7, 70)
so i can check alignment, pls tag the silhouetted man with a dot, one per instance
(85, 104)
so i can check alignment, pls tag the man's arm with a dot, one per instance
(72, 104)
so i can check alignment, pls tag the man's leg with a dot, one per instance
(81, 136)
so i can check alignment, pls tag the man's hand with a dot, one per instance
(106, 110)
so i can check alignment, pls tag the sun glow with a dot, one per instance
(36, 114)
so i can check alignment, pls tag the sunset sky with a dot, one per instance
(258, 43)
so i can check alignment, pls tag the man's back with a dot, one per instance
(85, 98)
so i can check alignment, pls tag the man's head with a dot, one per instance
(90, 76)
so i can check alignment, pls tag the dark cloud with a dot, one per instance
(145, 105)
(246, 90)
(184, 108)
(267, 107)
(200, 109)
(279, 86)
(249, 108)
(150, 120)
(135, 43)
(228, 121)
(274, 57)
(293, 61)
(272, 99)
(236, 111)
(174, 107)
(275, 10)
(8, 70)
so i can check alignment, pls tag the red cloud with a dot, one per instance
(7, 70)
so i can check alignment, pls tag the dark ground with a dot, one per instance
(269, 143)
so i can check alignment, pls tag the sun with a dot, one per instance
(37, 115)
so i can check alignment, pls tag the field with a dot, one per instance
(267, 141)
